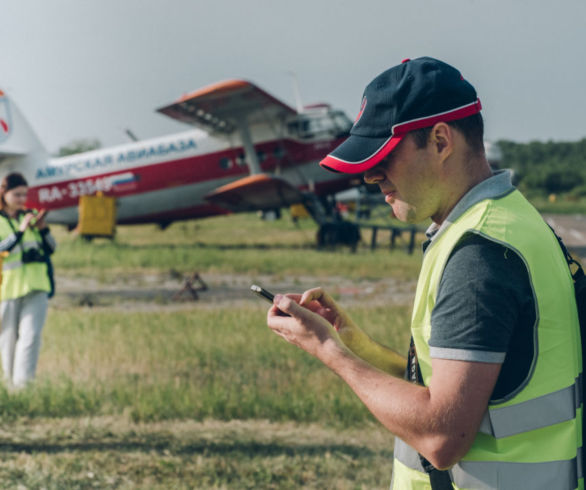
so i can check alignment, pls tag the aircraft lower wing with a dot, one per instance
(254, 193)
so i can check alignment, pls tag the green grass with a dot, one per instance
(199, 395)
(229, 244)
(109, 453)
(192, 364)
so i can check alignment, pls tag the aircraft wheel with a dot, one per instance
(330, 235)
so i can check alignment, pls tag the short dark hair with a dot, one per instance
(9, 182)
(472, 127)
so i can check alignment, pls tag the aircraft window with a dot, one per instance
(241, 159)
(310, 127)
(317, 125)
(225, 163)
(261, 155)
(278, 152)
(298, 127)
(343, 123)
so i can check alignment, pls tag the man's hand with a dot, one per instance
(318, 301)
(304, 327)
(440, 420)
(358, 341)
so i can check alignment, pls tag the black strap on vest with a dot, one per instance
(580, 291)
(439, 479)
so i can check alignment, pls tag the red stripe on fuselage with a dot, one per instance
(166, 175)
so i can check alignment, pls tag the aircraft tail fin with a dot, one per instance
(20, 148)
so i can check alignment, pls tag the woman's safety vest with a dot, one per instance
(531, 439)
(20, 278)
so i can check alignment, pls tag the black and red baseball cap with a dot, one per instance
(416, 94)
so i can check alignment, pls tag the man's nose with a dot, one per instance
(373, 177)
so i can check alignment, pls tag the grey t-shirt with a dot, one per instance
(485, 311)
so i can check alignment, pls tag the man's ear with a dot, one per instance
(442, 140)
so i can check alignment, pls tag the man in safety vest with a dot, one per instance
(491, 390)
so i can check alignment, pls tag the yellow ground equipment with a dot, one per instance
(298, 211)
(97, 216)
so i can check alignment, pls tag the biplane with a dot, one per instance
(257, 154)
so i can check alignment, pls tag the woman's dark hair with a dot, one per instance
(471, 127)
(9, 182)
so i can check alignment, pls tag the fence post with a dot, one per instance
(412, 241)
(373, 239)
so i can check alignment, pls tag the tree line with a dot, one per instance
(547, 167)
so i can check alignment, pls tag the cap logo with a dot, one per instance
(362, 107)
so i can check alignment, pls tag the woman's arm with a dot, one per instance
(10, 241)
(48, 241)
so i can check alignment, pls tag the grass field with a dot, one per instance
(240, 244)
(155, 393)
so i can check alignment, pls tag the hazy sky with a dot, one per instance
(90, 69)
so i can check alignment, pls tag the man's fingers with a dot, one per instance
(319, 295)
(287, 304)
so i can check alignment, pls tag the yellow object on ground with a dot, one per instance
(298, 211)
(97, 216)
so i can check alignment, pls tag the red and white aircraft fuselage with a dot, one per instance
(258, 152)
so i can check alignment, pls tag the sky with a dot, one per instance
(89, 69)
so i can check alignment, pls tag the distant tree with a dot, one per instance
(547, 167)
(79, 146)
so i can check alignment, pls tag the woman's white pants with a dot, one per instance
(22, 321)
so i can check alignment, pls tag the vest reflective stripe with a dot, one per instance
(30, 245)
(558, 475)
(11, 265)
(536, 430)
(546, 410)
(407, 455)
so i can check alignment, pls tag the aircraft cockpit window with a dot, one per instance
(333, 123)
(307, 128)
(278, 152)
(342, 122)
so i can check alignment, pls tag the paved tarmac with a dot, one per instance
(572, 229)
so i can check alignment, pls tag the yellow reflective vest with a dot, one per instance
(532, 439)
(19, 278)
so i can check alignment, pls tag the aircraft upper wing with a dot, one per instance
(221, 107)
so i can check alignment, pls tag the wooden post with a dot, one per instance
(412, 240)
(395, 232)
(373, 240)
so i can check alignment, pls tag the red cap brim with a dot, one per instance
(335, 164)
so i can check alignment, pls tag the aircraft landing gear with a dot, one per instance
(338, 233)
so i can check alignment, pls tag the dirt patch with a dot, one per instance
(156, 291)
(111, 430)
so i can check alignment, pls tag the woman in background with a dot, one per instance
(27, 281)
